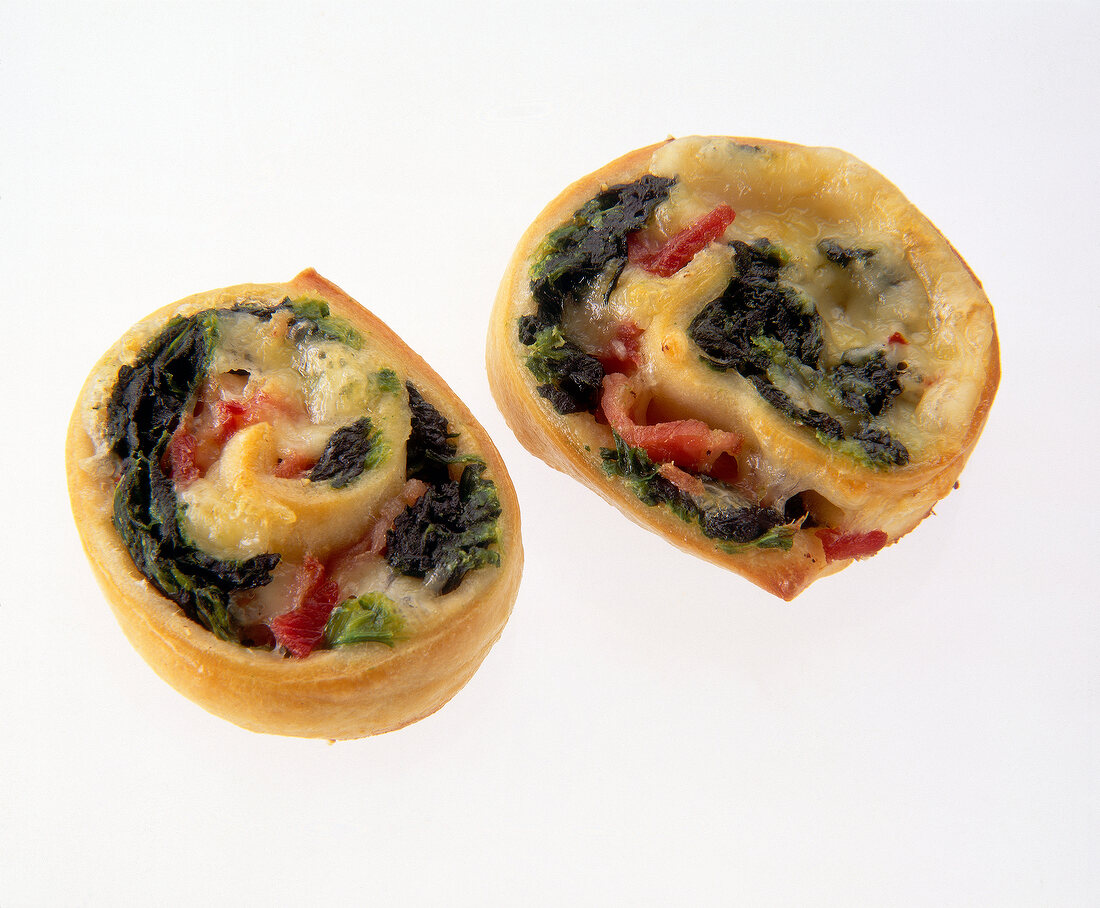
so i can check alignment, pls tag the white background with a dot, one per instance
(921, 729)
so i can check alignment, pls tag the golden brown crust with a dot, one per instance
(348, 692)
(908, 494)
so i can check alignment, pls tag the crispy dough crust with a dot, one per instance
(348, 692)
(560, 442)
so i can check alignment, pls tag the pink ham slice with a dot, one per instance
(690, 444)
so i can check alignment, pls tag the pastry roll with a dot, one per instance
(296, 522)
(761, 351)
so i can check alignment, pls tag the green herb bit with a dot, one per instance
(387, 381)
(312, 319)
(370, 618)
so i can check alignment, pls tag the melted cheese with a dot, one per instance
(797, 197)
(240, 508)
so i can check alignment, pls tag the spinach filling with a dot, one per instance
(842, 255)
(145, 515)
(591, 248)
(310, 319)
(146, 405)
(429, 450)
(737, 525)
(580, 263)
(451, 528)
(569, 378)
(143, 411)
(349, 451)
(762, 328)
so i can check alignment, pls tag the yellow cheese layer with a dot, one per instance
(240, 508)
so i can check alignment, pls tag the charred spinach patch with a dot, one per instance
(737, 525)
(591, 248)
(143, 411)
(349, 451)
(569, 378)
(761, 325)
(448, 532)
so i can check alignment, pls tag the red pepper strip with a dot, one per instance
(623, 352)
(638, 251)
(681, 248)
(230, 416)
(301, 629)
(181, 457)
(897, 338)
(842, 546)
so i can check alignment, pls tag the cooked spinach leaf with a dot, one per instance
(387, 381)
(370, 618)
(880, 446)
(429, 449)
(569, 378)
(310, 318)
(760, 323)
(750, 524)
(640, 474)
(146, 517)
(349, 451)
(448, 532)
(579, 261)
(865, 384)
(842, 255)
(826, 426)
(149, 396)
(743, 525)
(590, 249)
(143, 411)
(757, 304)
